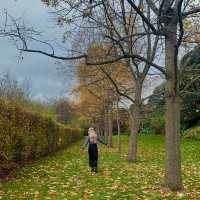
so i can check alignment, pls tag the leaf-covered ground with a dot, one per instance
(65, 175)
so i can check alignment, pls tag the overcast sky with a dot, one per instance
(40, 69)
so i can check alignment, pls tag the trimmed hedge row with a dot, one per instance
(25, 135)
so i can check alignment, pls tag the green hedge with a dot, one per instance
(192, 133)
(25, 135)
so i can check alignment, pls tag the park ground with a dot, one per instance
(65, 174)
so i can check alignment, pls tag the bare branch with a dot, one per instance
(190, 83)
(153, 6)
(115, 85)
(191, 12)
(191, 93)
(135, 56)
(140, 13)
(55, 56)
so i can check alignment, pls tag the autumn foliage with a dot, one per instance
(27, 136)
(97, 92)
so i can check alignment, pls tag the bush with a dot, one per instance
(154, 125)
(158, 124)
(25, 135)
(192, 133)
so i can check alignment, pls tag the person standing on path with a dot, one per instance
(91, 142)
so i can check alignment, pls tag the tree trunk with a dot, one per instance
(172, 127)
(118, 128)
(135, 123)
(106, 125)
(110, 128)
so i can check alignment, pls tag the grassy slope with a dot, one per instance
(65, 175)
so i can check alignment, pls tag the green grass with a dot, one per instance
(65, 175)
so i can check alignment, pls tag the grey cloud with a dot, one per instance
(40, 69)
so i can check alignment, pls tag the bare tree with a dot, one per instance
(13, 90)
(167, 22)
(127, 24)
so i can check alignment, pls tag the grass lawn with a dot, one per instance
(65, 174)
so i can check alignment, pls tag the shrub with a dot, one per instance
(154, 125)
(158, 124)
(25, 135)
(192, 133)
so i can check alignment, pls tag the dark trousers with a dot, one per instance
(93, 155)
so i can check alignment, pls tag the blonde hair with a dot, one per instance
(92, 135)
